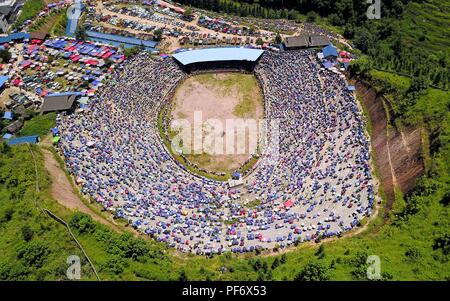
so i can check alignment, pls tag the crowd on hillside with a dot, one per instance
(316, 182)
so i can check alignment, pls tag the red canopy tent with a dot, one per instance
(288, 204)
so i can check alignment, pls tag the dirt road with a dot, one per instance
(62, 190)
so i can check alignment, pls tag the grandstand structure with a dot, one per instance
(243, 59)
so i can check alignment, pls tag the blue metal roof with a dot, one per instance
(3, 80)
(8, 115)
(15, 36)
(105, 37)
(65, 94)
(26, 139)
(218, 54)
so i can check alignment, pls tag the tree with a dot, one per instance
(34, 253)
(157, 35)
(82, 222)
(442, 243)
(320, 251)
(27, 233)
(114, 264)
(5, 55)
(311, 16)
(187, 13)
(278, 38)
(134, 248)
(361, 66)
(283, 259)
(259, 41)
(182, 277)
(418, 84)
(275, 263)
(80, 33)
(313, 271)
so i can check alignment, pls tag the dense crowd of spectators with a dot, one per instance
(314, 182)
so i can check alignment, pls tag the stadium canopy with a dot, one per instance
(218, 54)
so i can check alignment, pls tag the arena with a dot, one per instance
(312, 181)
(211, 99)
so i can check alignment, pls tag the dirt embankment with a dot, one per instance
(398, 153)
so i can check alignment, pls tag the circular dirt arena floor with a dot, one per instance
(217, 101)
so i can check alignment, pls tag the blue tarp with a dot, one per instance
(27, 139)
(218, 54)
(327, 64)
(8, 115)
(351, 88)
(7, 136)
(3, 80)
(55, 131)
(329, 50)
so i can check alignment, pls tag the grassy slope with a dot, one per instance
(30, 9)
(430, 19)
(388, 241)
(39, 125)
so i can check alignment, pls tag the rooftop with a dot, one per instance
(58, 103)
(297, 41)
(218, 54)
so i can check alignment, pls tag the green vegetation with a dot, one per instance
(5, 56)
(412, 37)
(132, 51)
(412, 245)
(30, 9)
(412, 241)
(39, 125)
(34, 247)
(51, 22)
(59, 27)
(157, 35)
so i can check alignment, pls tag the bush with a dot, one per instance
(83, 223)
(34, 254)
(413, 254)
(311, 16)
(442, 243)
(182, 276)
(132, 247)
(114, 264)
(5, 56)
(27, 233)
(313, 271)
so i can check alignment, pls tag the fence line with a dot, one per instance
(57, 218)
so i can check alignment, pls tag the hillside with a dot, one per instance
(412, 245)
